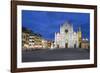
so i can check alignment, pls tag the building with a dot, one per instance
(35, 41)
(25, 39)
(44, 43)
(85, 44)
(67, 37)
(38, 42)
(30, 40)
(49, 43)
(75, 40)
(79, 37)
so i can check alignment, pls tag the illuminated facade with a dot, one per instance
(67, 38)
(35, 41)
(25, 40)
(30, 40)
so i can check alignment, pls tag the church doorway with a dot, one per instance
(66, 45)
(57, 46)
(66, 31)
(79, 45)
(74, 45)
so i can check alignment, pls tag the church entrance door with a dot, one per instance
(74, 45)
(66, 45)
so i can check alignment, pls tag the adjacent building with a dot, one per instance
(30, 40)
(85, 44)
(25, 38)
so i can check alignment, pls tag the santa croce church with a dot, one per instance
(67, 37)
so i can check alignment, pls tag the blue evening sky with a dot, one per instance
(47, 23)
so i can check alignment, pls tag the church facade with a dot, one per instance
(67, 37)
